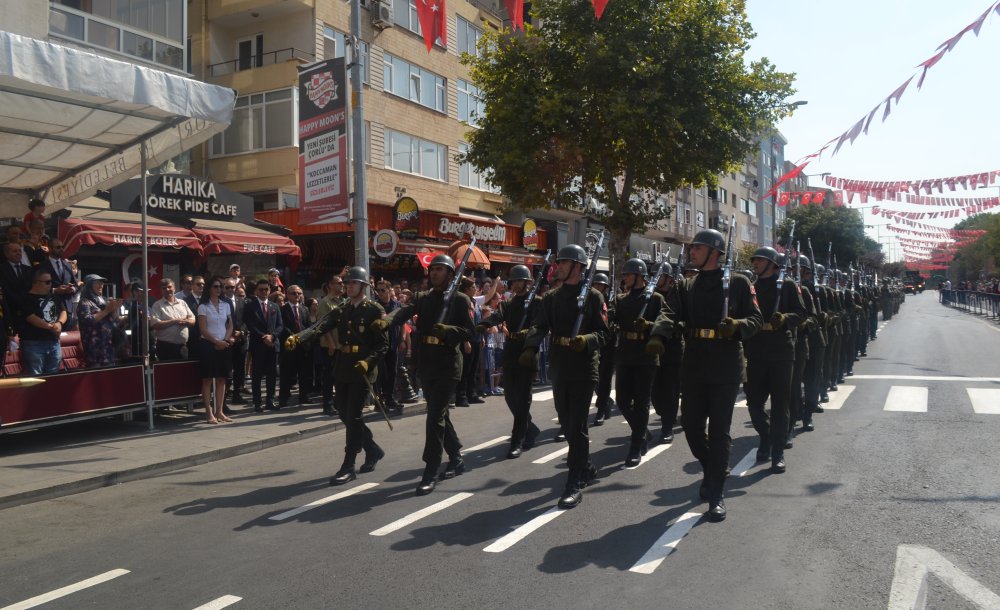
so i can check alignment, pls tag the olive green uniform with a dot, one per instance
(357, 344)
(635, 367)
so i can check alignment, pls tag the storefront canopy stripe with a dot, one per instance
(76, 233)
(233, 242)
(72, 122)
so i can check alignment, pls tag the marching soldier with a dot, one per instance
(831, 362)
(439, 365)
(359, 352)
(816, 336)
(573, 361)
(517, 379)
(713, 365)
(606, 368)
(802, 355)
(635, 366)
(667, 381)
(771, 357)
(885, 300)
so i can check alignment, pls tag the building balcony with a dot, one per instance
(265, 72)
(239, 13)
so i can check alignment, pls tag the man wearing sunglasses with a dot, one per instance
(65, 281)
(43, 316)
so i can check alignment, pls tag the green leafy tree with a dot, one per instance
(605, 116)
(981, 256)
(837, 225)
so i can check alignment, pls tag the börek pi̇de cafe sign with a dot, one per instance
(174, 196)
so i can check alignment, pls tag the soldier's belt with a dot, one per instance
(350, 349)
(564, 341)
(430, 340)
(702, 333)
(632, 336)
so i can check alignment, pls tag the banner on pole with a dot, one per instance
(323, 178)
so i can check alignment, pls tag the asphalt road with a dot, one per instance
(868, 487)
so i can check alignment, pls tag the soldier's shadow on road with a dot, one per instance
(262, 496)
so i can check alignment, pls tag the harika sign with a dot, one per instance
(323, 143)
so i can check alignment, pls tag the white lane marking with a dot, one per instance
(838, 398)
(985, 400)
(926, 378)
(741, 404)
(543, 395)
(666, 544)
(420, 514)
(909, 583)
(909, 398)
(522, 532)
(44, 598)
(222, 602)
(746, 463)
(322, 501)
(495, 441)
(555, 454)
(652, 453)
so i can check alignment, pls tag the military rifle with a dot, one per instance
(588, 281)
(647, 294)
(784, 269)
(798, 263)
(453, 287)
(678, 270)
(836, 279)
(534, 290)
(829, 264)
(819, 307)
(727, 269)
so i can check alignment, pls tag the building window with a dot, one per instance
(467, 175)
(334, 45)
(413, 83)
(404, 14)
(468, 37)
(150, 30)
(261, 121)
(412, 155)
(470, 103)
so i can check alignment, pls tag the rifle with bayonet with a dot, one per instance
(727, 269)
(798, 263)
(534, 290)
(816, 289)
(647, 294)
(829, 264)
(784, 270)
(836, 286)
(453, 287)
(588, 281)
(678, 270)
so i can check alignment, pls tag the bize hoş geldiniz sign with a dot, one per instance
(323, 192)
(175, 196)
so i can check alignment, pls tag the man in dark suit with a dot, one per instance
(65, 282)
(239, 351)
(295, 364)
(193, 298)
(15, 278)
(263, 322)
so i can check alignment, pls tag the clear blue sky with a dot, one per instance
(850, 54)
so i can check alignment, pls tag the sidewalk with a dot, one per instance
(76, 457)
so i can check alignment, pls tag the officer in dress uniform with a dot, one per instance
(635, 366)
(606, 368)
(359, 354)
(667, 380)
(517, 379)
(815, 331)
(573, 361)
(439, 365)
(713, 365)
(771, 357)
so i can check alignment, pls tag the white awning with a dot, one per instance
(71, 122)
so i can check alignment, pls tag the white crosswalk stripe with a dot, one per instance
(420, 514)
(522, 532)
(220, 603)
(316, 503)
(666, 544)
(838, 398)
(45, 598)
(907, 398)
(985, 400)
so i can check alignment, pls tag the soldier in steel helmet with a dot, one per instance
(815, 332)
(771, 356)
(573, 361)
(606, 369)
(635, 364)
(667, 380)
(713, 365)
(517, 318)
(359, 353)
(439, 365)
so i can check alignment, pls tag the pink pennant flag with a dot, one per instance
(599, 6)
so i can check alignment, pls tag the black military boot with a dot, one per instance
(372, 455)
(764, 449)
(588, 476)
(515, 450)
(667, 434)
(531, 436)
(455, 467)
(572, 495)
(778, 464)
(716, 503)
(560, 436)
(705, 489)
(428, 481)
(599, 417)
(634, 455)
(346, 473)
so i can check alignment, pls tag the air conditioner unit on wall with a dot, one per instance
(381, 11)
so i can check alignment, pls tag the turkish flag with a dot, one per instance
(783, 199)
(425, 256)
(599, 6)
(806, 198)
(515, 8)
(433, 21)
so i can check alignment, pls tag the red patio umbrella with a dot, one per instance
(477, 260)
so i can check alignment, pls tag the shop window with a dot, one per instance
(414, 83)
(406, 153)
(261, 121)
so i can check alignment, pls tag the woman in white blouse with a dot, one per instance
(215, 320)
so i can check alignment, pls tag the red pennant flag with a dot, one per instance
(599, 6)
(515, 8)
(433, 21)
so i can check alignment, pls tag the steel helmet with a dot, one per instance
(602, 279)
(780, 260)
(710, 238)
(804, 262)
(634, 265)
(666, 268)
(766, 252)
(572, 252)
(820, 269)
(357, 274)
(519, 272)
(444, 260)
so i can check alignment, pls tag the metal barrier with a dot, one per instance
(972, 301)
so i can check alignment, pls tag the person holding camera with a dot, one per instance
(100, 322)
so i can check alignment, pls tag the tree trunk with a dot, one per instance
(617, 249)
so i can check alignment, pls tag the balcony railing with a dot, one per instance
(256, 61)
